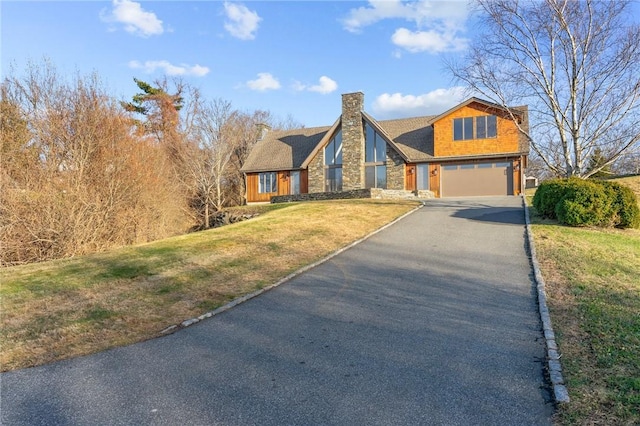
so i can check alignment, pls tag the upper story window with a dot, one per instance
(333, 151)
(375, 146)
(333, 164)
(375, 157)
(482, 127)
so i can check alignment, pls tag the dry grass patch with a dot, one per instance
(60, 309)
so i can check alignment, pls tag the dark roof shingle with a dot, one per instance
(283, 149)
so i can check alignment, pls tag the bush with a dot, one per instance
(578, 202)
(548, 195)
(626, 213)
(586, 203)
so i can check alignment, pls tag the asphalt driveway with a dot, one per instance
(432, 321)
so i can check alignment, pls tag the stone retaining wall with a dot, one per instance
(375, 193)
(344, 195)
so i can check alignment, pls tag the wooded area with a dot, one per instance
(81, 171)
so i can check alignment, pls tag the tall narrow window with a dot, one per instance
(267, 182)
(492, 126)
(486, 126)
(333, 163)
(423, 176)
(295, 182)
(375, 169)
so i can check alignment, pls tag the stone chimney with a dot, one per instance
(263, 129)
(352, 141)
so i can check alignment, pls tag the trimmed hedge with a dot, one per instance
(585, 203)
(578, 202)
(625, 204)
(549, 194)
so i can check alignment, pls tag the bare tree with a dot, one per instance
(74, 177)
(205, 161)
(575, 63)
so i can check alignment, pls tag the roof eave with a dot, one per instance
(480, 101)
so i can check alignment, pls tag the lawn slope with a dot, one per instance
(593, 286)
(59, 309)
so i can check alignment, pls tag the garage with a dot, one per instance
(474, 179)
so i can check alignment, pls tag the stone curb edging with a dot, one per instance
(560, 392)
(242, 299)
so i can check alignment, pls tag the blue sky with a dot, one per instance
(290, 57)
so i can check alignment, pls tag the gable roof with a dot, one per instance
(284, 149)
(411, 137)
(489, 105)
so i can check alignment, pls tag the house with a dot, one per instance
(473, 149)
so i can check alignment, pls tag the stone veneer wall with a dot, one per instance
(344, 195)
(352, 141)
(395, 169)
(316, 173)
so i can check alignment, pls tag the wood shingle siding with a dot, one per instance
(506, 141)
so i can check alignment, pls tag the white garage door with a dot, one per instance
(488, 178)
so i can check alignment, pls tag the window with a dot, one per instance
(423, 176)
(334, 180)
(375, 169)
(267, 183)
(333, 151)
(375, 177)
(333, 164)
(485, 127)
(295, 182)
(462, 128)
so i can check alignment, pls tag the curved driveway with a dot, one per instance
(432, 321)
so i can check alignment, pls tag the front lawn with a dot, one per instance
(69, 307)
(593, 285)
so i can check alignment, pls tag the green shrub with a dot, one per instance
(548, 195)
(585, 203)
(578, 202)
(626, 213)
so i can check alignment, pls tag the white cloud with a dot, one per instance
(242, 23)
(428, 41)
(437, 23)
(376, 11)
(436, 102)
(326, 85)
(264, 82)
(135, 19)
(170, 69)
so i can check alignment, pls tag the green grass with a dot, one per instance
(593, 285)
(69, 307)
